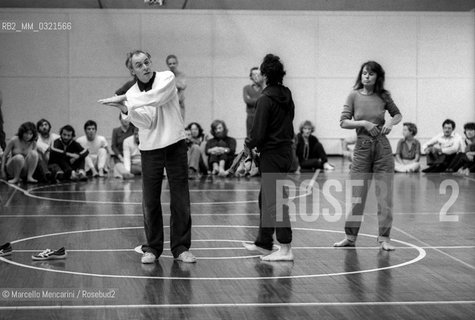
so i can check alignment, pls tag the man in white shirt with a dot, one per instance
(152, 105)
(98, 148)
(43, 146)
(442, 148)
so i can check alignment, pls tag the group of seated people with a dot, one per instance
(446, 152)
(37, 154)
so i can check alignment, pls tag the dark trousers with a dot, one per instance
(174, 159)
(373, 159)
(249, 122)
(317, 161)
(228, 159)
(66, 166)
(273, 166)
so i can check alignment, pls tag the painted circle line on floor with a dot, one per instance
(421, 255)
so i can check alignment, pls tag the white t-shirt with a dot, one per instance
(94, 145)
(44, 144)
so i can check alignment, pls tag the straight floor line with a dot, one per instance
(232, 305)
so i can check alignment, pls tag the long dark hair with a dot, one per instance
(215, 124)
(380, 77)
(200, 129)
(25, 127)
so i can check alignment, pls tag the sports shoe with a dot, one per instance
(6, 249)
(49, 254)
(328, 167)
(186, 256)
(148, 257)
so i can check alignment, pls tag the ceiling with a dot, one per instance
(322, 5)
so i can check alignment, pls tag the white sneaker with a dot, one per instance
(148, 257)
(328, 167)
(186, 256)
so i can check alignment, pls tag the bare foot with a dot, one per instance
(31, 180)
(253, 247)
(385, 245)
(344, 243)
(14, 181)
(283, 254)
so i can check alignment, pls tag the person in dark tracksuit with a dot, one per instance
(272, 133)
(364, 111)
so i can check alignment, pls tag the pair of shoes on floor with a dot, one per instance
(6, 249)
(149, 257)
(49, 254)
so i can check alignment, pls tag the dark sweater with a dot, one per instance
(72, 147)
(273, 129)
(315, 150)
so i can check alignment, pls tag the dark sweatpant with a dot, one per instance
(274, 165)
(174, 159)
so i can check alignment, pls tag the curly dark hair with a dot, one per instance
(449, 121)
(25, 127)
(272, 69)
(215, 124)
(40, 123)
(469, 126)
(68, 128)
(200, 129)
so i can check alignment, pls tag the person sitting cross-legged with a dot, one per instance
(98, 148)
(67, 156)
(310, 151)
(220, 149)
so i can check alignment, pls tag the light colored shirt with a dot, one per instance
(43, 144)
(156, 113)
(131, 153)
(94, 145)
(448, 145)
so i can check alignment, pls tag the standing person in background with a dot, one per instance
(272, 134)
(151, 104)
(251, 93)
(180, 81)
(364, 111)
(2, 133)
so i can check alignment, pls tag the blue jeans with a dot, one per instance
(373, 160)
(174, 159)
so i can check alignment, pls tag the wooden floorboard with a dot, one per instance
(431, 275)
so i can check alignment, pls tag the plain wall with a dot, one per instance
(59, 75)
